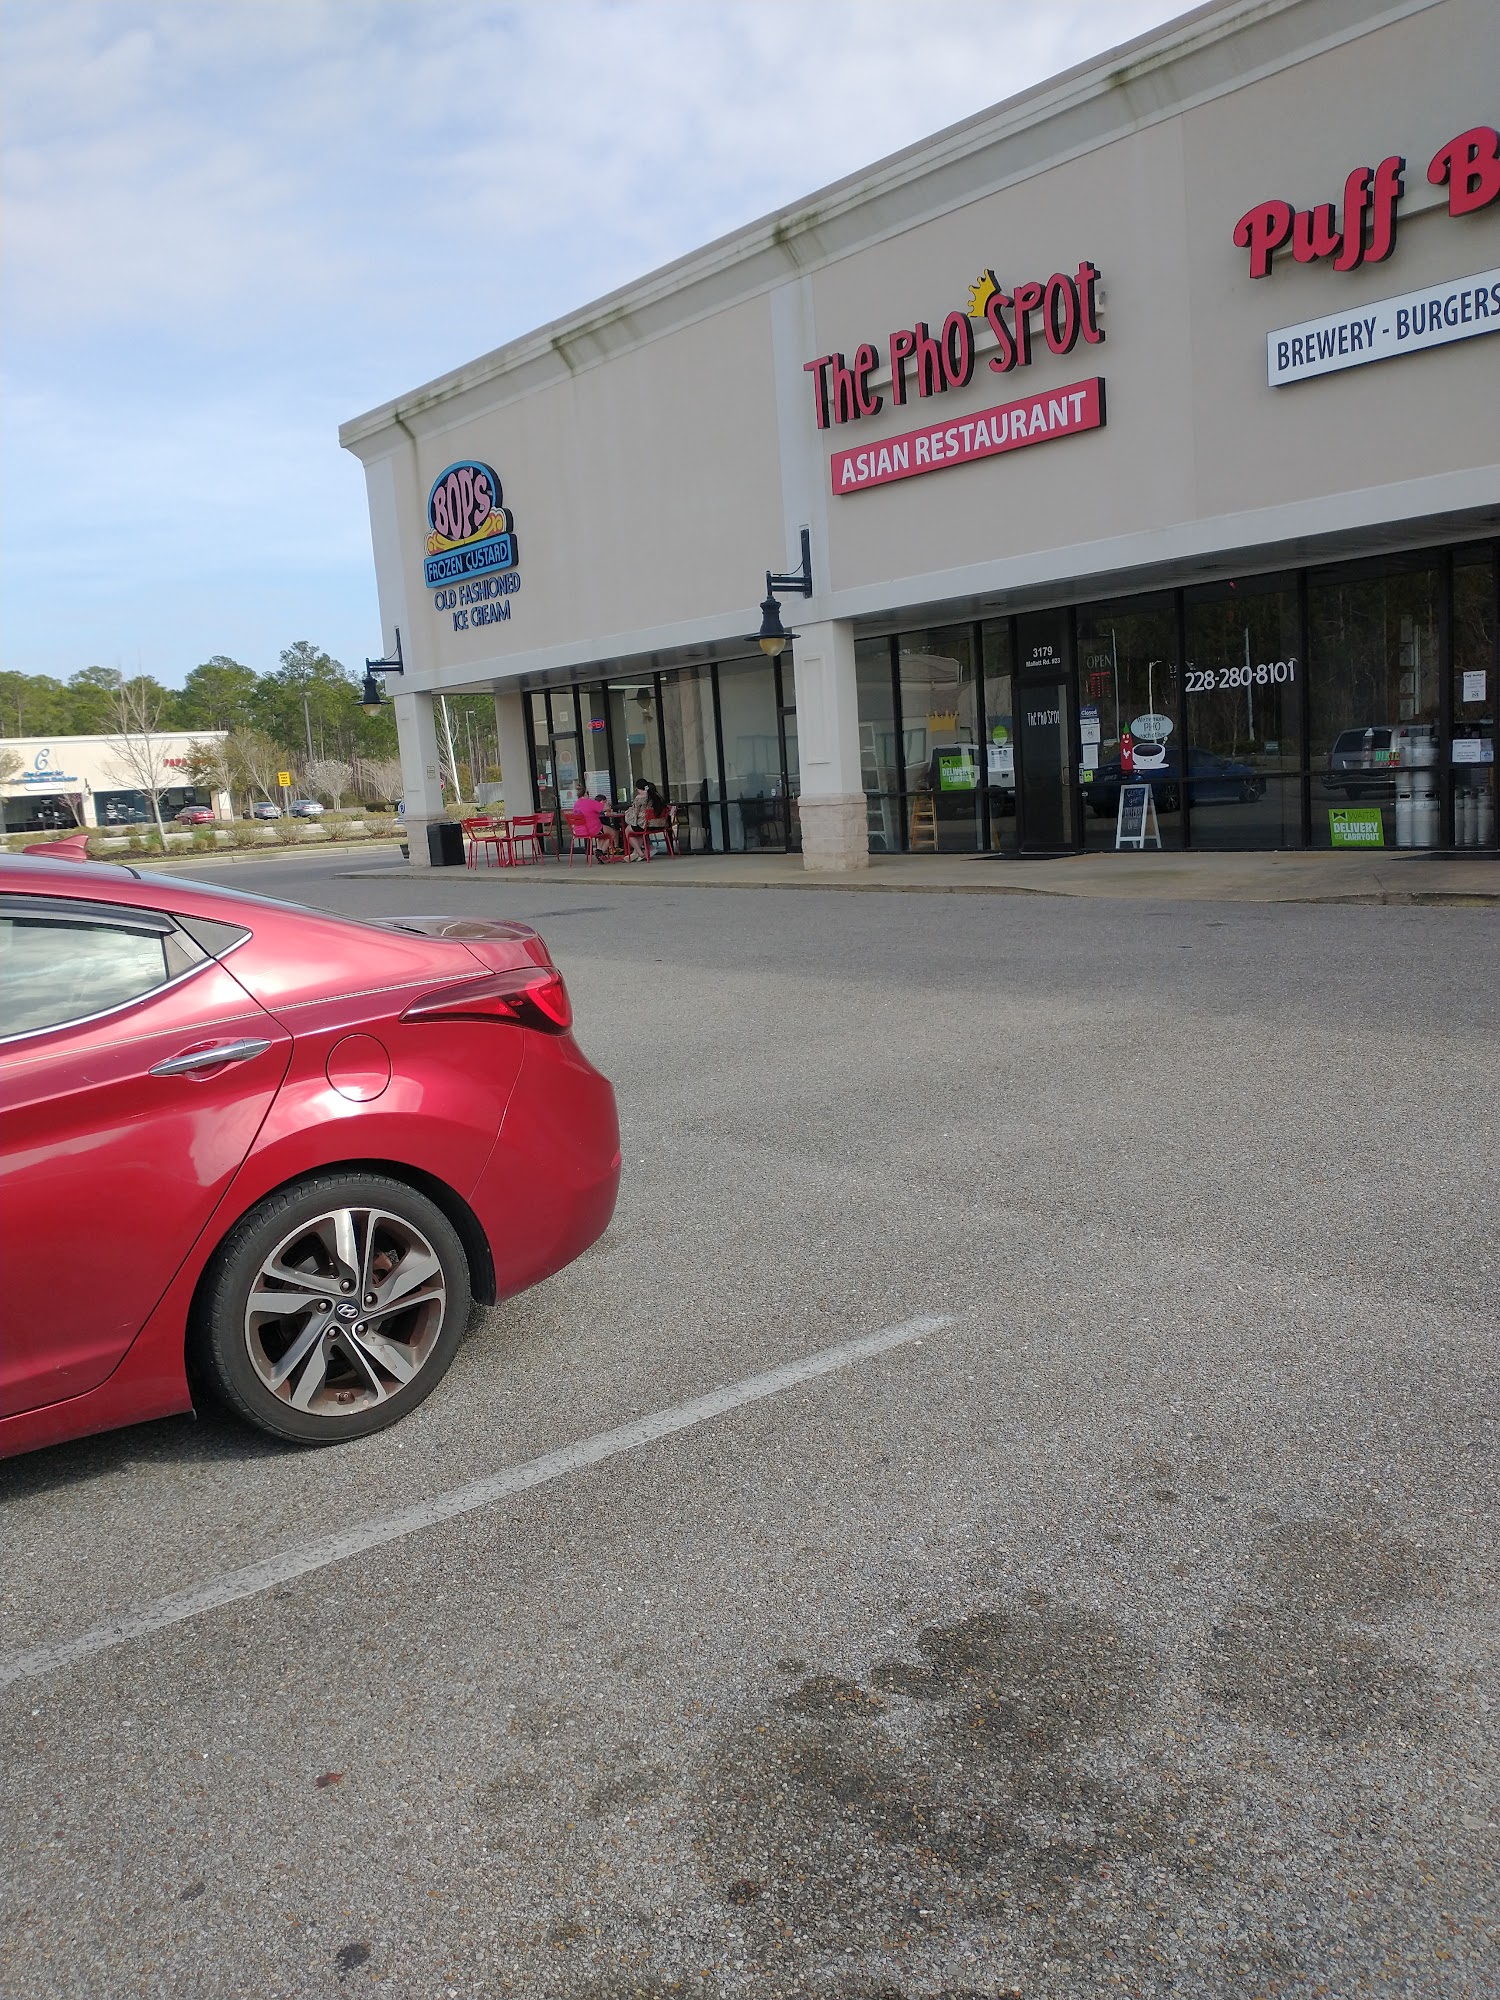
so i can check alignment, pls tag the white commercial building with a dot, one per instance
(1142, 430)
(66, 781)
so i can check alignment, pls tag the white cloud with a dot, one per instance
(231, 223)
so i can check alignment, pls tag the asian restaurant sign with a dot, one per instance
(1006, 427)
(1051, 315)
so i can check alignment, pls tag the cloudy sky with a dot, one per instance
(231, 224)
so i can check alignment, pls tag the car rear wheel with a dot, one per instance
(333, 1308)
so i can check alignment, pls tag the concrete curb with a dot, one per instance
(1452, 883)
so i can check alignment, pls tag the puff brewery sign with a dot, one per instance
(1468, 166)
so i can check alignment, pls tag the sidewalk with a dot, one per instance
(1394, 876)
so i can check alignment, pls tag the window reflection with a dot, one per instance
(1474, 697)
(1243, 688)
(1127, 713)
(941, 750)
(1373, 641)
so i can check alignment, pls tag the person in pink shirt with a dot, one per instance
(588, 817)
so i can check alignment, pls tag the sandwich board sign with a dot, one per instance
(1135, 818)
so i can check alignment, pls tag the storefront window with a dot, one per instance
(1374, 670)
(1128, 713)
(879, 748)
(593, 738)
(1000, 736)
(541, 737)
(752, 755)
(637, 746)
(941, 714)
(1243, 692)
(687, 706)
(1475, 668)
(793, 755)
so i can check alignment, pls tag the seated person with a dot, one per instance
(588, 816)
(648, 802)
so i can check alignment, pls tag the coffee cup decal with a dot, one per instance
(1148, 736)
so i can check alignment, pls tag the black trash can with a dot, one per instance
(445, 844)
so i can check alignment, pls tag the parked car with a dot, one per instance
(196, 816)
(320, 1139)
(264, 809)
(1359, 763)
(1212, 780)
(1363, 762)
(306, 809)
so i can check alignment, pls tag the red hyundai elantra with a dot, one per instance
(251, 1150)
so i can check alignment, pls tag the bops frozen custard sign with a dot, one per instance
(471, 545)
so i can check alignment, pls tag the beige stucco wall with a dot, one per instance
(1193, 429)
(652, 486)
(642, 490)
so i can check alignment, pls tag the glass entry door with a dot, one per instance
(1048, 799)
(1047, 818)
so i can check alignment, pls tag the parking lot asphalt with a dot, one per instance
(1110, 1610)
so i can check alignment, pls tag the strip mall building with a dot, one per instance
(1145, 428)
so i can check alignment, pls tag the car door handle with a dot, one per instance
(209, 1058)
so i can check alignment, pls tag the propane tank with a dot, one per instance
(1403, 812)
(1484, 821)
(1425, 817)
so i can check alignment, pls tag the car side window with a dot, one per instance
(59, 969)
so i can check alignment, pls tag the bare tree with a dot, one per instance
(382, 778)
(256, 758)
(10, 766)
(138, 747)
(211, 764)
(331, 776)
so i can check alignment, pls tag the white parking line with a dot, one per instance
(310, 1556)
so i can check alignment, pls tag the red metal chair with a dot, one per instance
(663, 827)
(541, 825)
(596, 846)
(484, 832)
(525, 839)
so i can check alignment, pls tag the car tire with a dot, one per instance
(377, 1291)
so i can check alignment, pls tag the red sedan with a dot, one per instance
(268, 1155)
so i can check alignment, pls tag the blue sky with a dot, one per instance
(232, 224)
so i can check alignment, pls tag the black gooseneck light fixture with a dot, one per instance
(773, 637)
(372, 694)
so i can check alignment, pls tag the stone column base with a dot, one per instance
(414, 833)
(835, 833)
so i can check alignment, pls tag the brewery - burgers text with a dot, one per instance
(1060, 311)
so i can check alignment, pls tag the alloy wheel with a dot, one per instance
(345, 1311)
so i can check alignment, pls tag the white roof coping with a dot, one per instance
(1214, 49)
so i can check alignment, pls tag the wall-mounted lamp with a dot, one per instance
(372, 695)
(773, 638)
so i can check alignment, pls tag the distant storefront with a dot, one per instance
(67, 781)
(1141, 432)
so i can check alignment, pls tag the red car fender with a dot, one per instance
(310, 1128)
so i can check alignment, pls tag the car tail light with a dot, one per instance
(530, 996)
